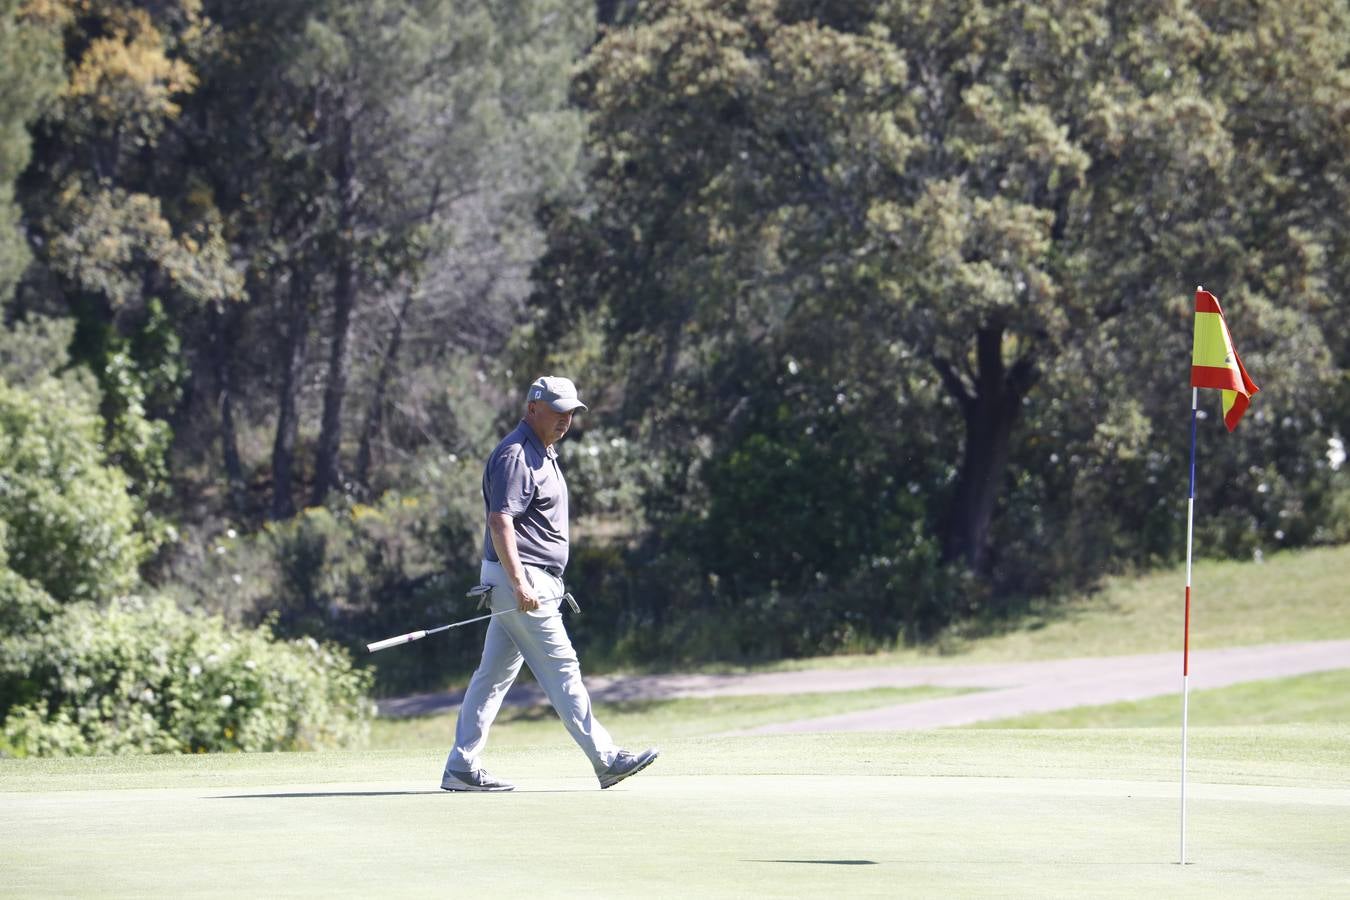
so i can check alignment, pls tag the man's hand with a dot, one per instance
(525, 598)
(503, 534)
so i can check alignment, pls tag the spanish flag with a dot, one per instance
(1214, 361)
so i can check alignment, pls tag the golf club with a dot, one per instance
(418, 635)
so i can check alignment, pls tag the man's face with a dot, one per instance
(549, 424)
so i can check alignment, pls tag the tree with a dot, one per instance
(122, 239)
(1000, 191)
(29, 72)
(385, 142)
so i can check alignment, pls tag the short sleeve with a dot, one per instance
(510, 483)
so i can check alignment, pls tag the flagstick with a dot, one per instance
(1186, 633)
(1214, 364)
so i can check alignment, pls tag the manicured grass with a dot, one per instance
(1293, 596)
(949, 813)
(656, 720)
(1322, 697)
(1008, 811)
(1290, 755)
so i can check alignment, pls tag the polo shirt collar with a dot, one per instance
(525, 429)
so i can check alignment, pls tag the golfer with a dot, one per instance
(524, 555)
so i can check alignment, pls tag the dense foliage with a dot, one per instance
(87, 669)
(882, 310)
(932, 263)
(138, 676)
(69, 529)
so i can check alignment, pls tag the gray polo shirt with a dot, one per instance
(522, 479)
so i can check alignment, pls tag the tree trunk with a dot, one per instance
(293, 345)
(988, 429)
(375, 414)
(327, 474)
(224, 337)
(991, 410)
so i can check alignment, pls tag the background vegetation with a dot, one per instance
(882, 311)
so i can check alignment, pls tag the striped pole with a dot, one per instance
(1186, 630)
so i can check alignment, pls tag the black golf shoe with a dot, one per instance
(477, 780)
(626, 764)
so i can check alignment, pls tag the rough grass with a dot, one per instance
(1292, 596)
(1322, 697)
(1300, 595)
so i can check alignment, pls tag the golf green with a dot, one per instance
(960, 813)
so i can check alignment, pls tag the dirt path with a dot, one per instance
(1009, 689)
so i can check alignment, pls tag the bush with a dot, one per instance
(608, 476)
(647, 607)
(355, 574)
(142, 676)
(71, 523)
(23, 605)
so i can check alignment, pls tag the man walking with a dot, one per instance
(524, 555)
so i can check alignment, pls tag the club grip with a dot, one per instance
(395, 641)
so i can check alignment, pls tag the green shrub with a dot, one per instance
(71, 523)
(142, 676)
(355, 574)
(23, 605)
(608, 476)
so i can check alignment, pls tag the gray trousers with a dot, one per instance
(539, 639)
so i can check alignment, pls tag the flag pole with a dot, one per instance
(1214, 364)
(1186, 629)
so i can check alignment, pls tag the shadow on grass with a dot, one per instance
(299, 795)
(820, 862)
(980, 862)
(311, 795)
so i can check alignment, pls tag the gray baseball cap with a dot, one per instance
(559, 393)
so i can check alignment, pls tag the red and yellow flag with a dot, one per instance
(1214, 361)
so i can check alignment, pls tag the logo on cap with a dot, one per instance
(560, 393)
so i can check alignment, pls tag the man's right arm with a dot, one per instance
(502, 528)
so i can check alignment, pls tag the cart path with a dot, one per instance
(1008, 689)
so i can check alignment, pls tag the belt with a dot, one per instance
(555, 571)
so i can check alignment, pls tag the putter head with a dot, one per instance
(482, 593)
(572, 602)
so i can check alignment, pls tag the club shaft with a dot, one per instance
(418, 635)
(500, 612)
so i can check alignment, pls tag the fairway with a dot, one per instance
(1089, 812)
